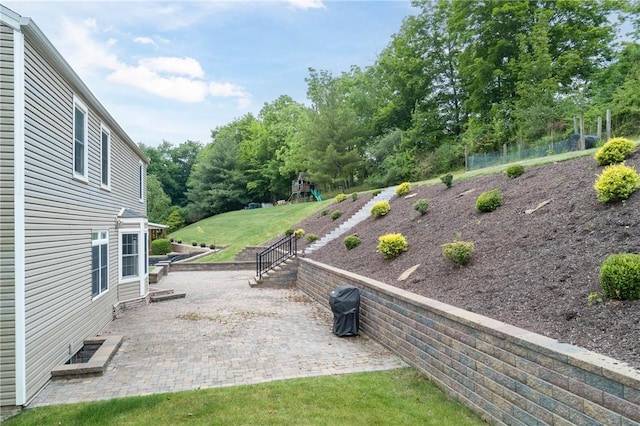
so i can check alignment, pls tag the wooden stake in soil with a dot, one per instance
(538, 207)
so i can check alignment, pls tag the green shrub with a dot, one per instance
(447, 179)
(336, 214)
(212, 246)
(421, 206)
(298, 233)
(376, 192)
(193, 243)
(616, 182)
(352, 241)
(179, 241)
(340, 198)
(515, 170)
(354, 196)
(489, 201)
(614, 151)
(620, 276)
(403, 189)
(288, 232)
(380, 208)
(324, 212)
(458, 251)
(161, 246)
(392, 245)
(203, 245)
(311, 238)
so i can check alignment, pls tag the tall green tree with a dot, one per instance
(218, 181)
(158, 203)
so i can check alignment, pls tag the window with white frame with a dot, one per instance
(99, 263)
(105, 157)
(129, 255)
(80, 140)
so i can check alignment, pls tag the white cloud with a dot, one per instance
(306, 4)
(144, 40)
(182, 66)
(178, 79)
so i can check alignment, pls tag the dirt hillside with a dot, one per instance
(534, 271)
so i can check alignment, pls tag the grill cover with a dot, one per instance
(345, 305)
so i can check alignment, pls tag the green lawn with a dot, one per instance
(239, 229)
(394, 397)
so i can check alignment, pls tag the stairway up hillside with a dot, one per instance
(358, 217)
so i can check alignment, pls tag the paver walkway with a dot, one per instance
(223, 333)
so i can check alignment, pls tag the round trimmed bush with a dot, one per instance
(161, 246)
(298, 233)
(616, 182)
(514, 170)
(380, 208)
(620, 276)
(614, 151)
(354, 196)
(458, 251)
(336, 214)
(288, 232)
(392, 245)
(352, 241)
(403, 189)
(489, 201)
(340, 198)
(311, 238)
(421, 206)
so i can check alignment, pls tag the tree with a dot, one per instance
(218, 182)
(158, 202)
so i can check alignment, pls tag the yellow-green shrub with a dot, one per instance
(298, 233)
(620, 276)
(403, 189)
(335, 214)
(392, 245)
(614, 151)
(340, 198)
(312, 237)
(616, 182)
(458, 251)
(380, 208)
(489, 201)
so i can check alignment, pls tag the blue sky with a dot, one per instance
(175, 70)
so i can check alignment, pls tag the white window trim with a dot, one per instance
(105, 130)
(77, 103)
(99, 242)
(141, 182)
(134, 226)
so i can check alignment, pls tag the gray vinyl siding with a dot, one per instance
(7, 269)
(60, 215)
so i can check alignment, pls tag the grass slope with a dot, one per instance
(394, 397)
(239, 229)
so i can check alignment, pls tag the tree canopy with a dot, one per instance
(457, 75)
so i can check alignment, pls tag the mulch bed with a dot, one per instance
(534, 270)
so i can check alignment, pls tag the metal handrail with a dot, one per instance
(278, 253)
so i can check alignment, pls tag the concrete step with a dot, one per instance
(169, 296)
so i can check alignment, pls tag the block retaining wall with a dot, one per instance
(506, 374)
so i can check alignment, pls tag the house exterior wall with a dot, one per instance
(7, 282)
(50, 218)
(61, 214)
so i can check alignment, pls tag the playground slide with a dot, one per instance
(316, 194)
